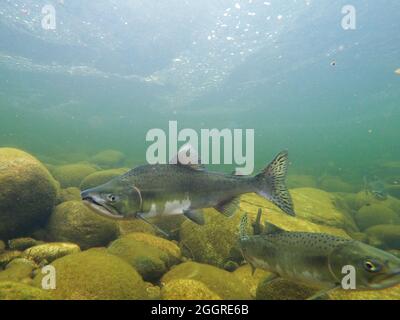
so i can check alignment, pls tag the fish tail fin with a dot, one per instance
(242, 228)
(270, 183)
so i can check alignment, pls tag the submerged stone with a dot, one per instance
(21, 244)
(100, 177)
(384, 236)
(108, 158)
(375, 214)
(71, 175)
(17, 291)
(50, 251)
(282, 289)
(8, 256)
(187, 289)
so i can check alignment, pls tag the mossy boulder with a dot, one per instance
(21, 244)
(187, 289)
(301, 181)
(2, 246)
(49, 252)
(318, 206)
(250, 280)
(75, 222)
(335, 184)
(100, 177)
(393, 190)
(134, 225)
(375, 214)
(392, 293)
(282, 289)
(95, 275)
(108, 158)
(17, 291)
(69, 194)
(8, 256)
(27, 195)
(71, 175)
(384, 236)
(365, 199)
(18, 270)
(213, 242)
(225, 284)
(149, 255)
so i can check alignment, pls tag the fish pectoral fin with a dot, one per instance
(142, 217)
(228, 208)
(196, 216)
(270, 278)
(270, 228)
(322, 292)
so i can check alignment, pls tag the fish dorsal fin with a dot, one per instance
(187, 156)
(270, 228)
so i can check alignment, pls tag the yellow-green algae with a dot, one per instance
(95, 275)
(27, 195)
(223, 283)
(71, 175)
(100, 177)
(187, 289)
(18, 291)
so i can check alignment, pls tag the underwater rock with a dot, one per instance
(318, 206)
(74, 222)
(95, 275)
(251, 281)
(8, 256)
(17, 291)
(375, 214)
(212, 242)
(134, 225)
(2, 246)
(393, 190)
(20, 244)
(69, 194)
(225, 284)
(71, 175)
(100, 177)
(187, 289)
(149, 255)
(385, 294)
(282, 289)
(18, 270)
(251, 203)
(335, 184)
(384, 236)
(27, 195)
(50, 251)
(363, 199)
(108, 158)
(301, 181)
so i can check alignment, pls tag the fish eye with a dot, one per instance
(112, 197)
(371, 266)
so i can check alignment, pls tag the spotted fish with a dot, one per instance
(317, 259)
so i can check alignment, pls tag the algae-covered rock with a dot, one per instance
(71, 175)
(282, 289)
(50, 251)
(187, 289)
(108, 158)
(27, 195)
(2, 246)
(134, 225)
(301, 181)
(335, 184)
(384, 236)
(69, 194)
(318, 206)
(150, 256)
(250, 280)
(212, 242)
(18, 270)
(95, 275)
(225, 284)
(17, 291)
(386, 294)
(393, 190)
(375, 214)
(365, 199)
(21, 244)
(100, 177)
(74, 222)
(8, 256)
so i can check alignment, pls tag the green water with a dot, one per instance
(112, 70)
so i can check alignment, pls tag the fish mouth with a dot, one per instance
(101, 208)
(388, 280)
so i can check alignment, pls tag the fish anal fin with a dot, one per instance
(228, 208)
(319, 295)
(196, 216)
